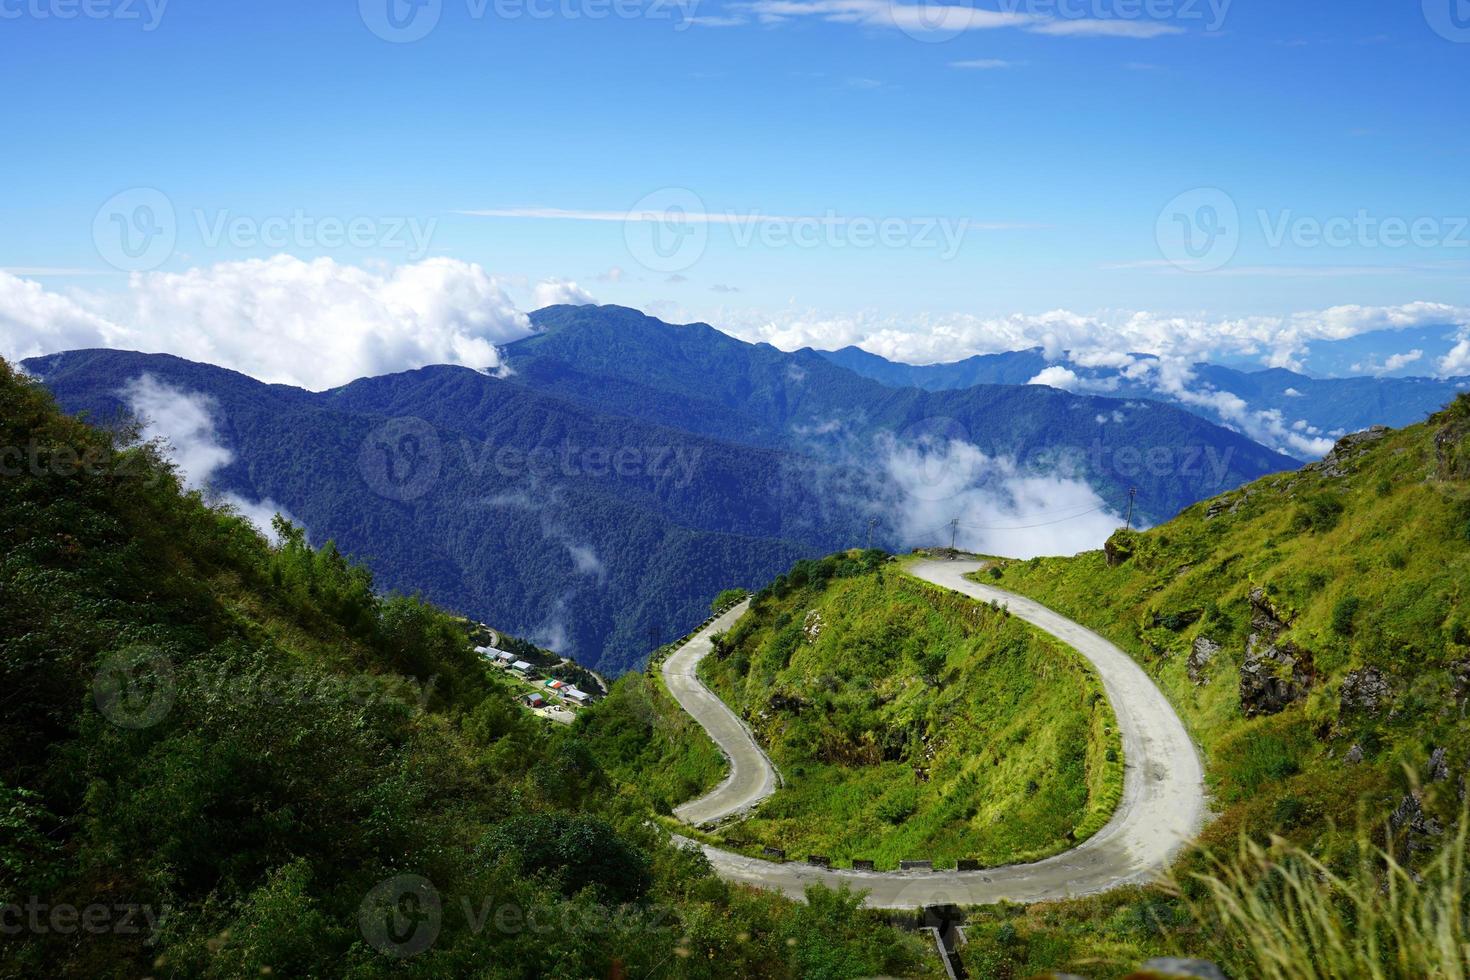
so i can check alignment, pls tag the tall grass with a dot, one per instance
(1276, 912)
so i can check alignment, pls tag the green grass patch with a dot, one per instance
(912, 723)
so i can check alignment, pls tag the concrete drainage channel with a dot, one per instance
(945, 924)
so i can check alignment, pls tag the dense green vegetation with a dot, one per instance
(222, 758)
(911, 723)
(1345, 716)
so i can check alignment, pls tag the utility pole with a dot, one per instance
(872, 523)
(1132, 493)
(954, 530)
(652, 637)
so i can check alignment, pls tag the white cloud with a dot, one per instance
(1395, 362)
(986, 64)
(315, 324)
(1002, 510)
(942, 19)
(558, 292)
(1273, 341)
(1457, 361)
(1057, 376)
(1143, 29)
(185, 422)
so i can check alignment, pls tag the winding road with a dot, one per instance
(1162, 808)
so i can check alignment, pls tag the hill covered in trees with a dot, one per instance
(220, 757)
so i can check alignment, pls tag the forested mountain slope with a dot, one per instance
(600, 534)
(220, 758)
(694, 377)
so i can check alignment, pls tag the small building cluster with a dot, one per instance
(567, 693)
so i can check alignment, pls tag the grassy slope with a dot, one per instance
(1381, 584)
(1371, 569)
(1010, 729)
(648, 743)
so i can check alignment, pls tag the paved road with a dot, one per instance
(752, 778)
(1163, 804)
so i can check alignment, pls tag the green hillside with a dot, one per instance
(220, 758)
(1313, 628)
(910, 723)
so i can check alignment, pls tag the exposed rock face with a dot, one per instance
(1418, 829)
(1274, 673)
(1354, 754)
(1460, 681)
(1334, 464)
(1204, 653)
(1439, 766)
(1365, 690)
(812, 625)
(1118, 549)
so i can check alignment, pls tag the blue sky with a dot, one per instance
(1068, 151)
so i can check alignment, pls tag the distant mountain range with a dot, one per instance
(625, 470)
(1285, 410)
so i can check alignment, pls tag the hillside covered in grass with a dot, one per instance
(224, 758)
(911, 723)
(1313, 628)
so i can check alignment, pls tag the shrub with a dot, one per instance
(1344, 613)
(1318, 513)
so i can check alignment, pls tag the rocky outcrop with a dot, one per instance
(1417, 830)
(1439, 766)
(1460, 681)
(1118, 549)
(1365, 691)
(1335, 463)
(813, 625)
(1354, 754)
(1203, 654)
(1274, 673)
